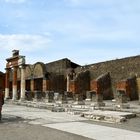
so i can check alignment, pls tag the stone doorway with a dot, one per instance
(38, 84)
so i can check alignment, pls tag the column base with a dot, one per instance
(22, 100)
(14, 99)
(6, 98)
(98, 104)
(79, 103)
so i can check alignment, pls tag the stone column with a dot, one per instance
(22, 98)
(14, 83)
(7, 84)
(32, 88)
(32, 85)
(68, 82)
(44, 85)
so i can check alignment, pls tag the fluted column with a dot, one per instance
(22, 98)
(7, 84)
(14, 83)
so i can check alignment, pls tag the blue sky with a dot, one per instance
(85, 31)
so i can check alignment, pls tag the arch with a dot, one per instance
(28, 72)
(39, 70)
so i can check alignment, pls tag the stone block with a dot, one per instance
(56, 96)
(58, 109)
(79, 99)
(49, 96)
(88, 96)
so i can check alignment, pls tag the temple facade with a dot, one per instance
(24, 80)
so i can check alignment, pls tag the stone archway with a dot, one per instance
(39, 71)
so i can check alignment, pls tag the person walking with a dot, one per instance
(1, 102)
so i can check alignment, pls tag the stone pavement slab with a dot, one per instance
(39, 116)
(108, 116)
(95, 131)
(69, 123)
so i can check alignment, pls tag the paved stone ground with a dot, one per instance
(13, 128)
(37, 122)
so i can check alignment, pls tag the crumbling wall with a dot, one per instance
(119, 69)
(60, 66)
(102, 85)
(57, 83)
(81, 83)
(129, 86)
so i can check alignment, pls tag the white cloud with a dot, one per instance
(25, 42)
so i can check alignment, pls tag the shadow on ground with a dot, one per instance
(11, 119)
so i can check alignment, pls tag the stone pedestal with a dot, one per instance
(79, 99)
(88, 96)
(56, 96)
(49, 97)
(122, 100)
(97, 100)
(93, 97)
(29, 95)
(37, 96)
(63, 98)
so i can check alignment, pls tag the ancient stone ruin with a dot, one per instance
(63, 85)
(61, 80)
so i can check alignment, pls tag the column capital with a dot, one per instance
(7, 69)
(22, 66)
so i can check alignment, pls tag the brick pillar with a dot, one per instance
(22, 83)
(14, 83)
(7, 84)
(73, 87)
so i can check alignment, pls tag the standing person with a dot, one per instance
(1, 102)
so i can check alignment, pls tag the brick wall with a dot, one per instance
(129, 86)
(119, 69)
(102, 85)
(81, 83)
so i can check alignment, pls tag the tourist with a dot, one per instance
(1, 102)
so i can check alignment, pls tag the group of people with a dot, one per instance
(1, 102)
